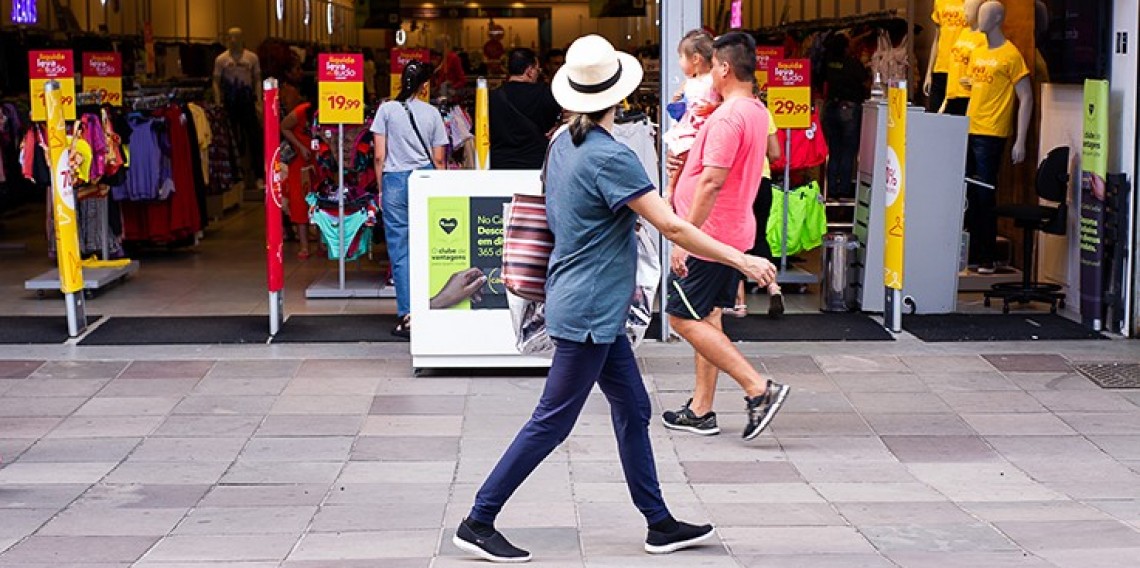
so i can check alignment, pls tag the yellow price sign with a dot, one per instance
(46, 66)
(790, 106)
(341, 88)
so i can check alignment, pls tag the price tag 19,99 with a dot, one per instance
(341, 88)
(52, 65)
(789, 92)
(103, 75)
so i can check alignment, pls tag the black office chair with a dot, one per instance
(1052, 185)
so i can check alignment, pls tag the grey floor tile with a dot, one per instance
(54, 473)
(18, 369)
(904, 513)
(197, 426)
(195, 450)
(1051, 381)
(265, 496)
(38, 496)
(1035, 511)
(389, 493)
(19, 523)
(418, 404)
(380, 448)
(83, 520)
(990, 482)
(957, 537)
(832, 364)
(898, 403)
(338, 386)
(1045, 447)
(106, 426)
(950, 449)
(173, 388)
(167, 473)
(1009, 559)
(1018, 425)
(127, 406)
(1091, 423)
(224, 405)
(89, 450)
(80, 369)
(1126, 447)
(246, 520)
(974, 381)
(1081, 401)
(19, 407)
(167, 369)
(552, 542)
(40, 386)
(795, 541)
(799, 424)
(221, 548)
(299, 449)
(790, 364)
(816, 561)
(835, 449)
(992, 402)
(1086, 558)
(256, 368)
(318, 368)
(367, 545)
(744, 493)
(740, 472)
(1053, 535)
(1032, 363)
(222, 386)
(144, 496)
(79, 550)
(381, 517)
(918, 425)
(27, 427)
(942, 363)
(877, 492)
(405, 425)
(879, 382)
(855, 472)
(276, 473)
(773, 515)
(398, 472)
(310, 405)
(302, 425)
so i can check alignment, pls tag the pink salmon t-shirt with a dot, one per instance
(735, 137)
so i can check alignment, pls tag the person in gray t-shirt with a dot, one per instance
(409, 136)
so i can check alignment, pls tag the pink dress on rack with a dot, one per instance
(698, 93)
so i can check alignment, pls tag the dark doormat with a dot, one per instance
(39, 330)
(341, 328)
(939, 328)
(798, 327)
(180, 330)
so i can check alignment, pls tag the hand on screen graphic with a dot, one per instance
(460, 286)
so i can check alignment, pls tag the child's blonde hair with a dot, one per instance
(697, 42)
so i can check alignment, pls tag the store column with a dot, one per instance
(1124, 152)
(676, 18)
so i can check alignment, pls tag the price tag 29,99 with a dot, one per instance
(46, 66)
(341, 88)
(789, 92)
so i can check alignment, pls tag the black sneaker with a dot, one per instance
(776, 306)
(685, 536)
(762, 408)
(493, 547)
(684, 419)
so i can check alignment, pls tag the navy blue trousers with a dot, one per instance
(574, 371)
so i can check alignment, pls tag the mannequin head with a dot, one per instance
(234, 39)
(991, 16)
(971, 7)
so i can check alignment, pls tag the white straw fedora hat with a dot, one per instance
(595, 76)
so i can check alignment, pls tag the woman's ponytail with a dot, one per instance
(583, 123)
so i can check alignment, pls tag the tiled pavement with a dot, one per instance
(275, 457)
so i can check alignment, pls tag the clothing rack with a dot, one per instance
(830, 23)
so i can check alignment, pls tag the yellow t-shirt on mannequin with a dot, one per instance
(968, 41)
(993, 74)
(950, 15)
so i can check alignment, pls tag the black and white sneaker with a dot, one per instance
(686, 535)
(684, 419)
(493, 547)
(763, 408)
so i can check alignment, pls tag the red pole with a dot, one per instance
(273, 197)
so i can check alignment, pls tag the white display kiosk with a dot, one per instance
(455, 224)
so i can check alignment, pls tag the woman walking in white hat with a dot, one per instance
(595, 190)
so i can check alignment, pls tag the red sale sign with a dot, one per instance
(400, 58)
(341, 88)
(764, 56)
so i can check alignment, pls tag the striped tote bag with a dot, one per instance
(527, 244)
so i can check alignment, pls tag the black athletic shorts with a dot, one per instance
(709, 285)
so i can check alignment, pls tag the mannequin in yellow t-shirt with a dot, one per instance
(957, 80)
(949, 18)
(997, 74)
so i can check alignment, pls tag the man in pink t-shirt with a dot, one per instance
(715, 192)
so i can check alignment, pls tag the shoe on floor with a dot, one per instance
(763, 408)
(686, 535)
(776, 306)
(684, 419)
(987, 268)
(493, 547)
(738, 311)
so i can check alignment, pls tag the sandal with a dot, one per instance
(739, 311)
(404, 328)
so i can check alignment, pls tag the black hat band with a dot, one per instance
(596, 87)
